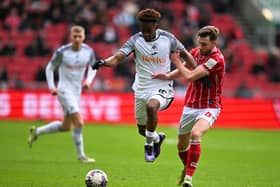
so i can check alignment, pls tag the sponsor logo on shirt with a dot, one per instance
(75, 66)
(150, 59)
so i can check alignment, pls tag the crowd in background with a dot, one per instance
(32, 29)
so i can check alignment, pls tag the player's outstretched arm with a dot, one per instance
(189, 60)
(111, 61)
(167, 76)
(190, 75)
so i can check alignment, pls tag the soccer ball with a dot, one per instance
(96, 178)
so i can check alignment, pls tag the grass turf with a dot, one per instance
(230, 158)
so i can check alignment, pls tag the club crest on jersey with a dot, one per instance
(154, 49)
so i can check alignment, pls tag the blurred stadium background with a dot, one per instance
(30, 30)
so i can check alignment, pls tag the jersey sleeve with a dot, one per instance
(212, 64)
(50, 76)
(52, 65)
(56, 58)
(92, 59)
(128, 46)
(176, 45)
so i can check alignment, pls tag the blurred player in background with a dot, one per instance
(151, 48)
(202, 100)
(71, 60)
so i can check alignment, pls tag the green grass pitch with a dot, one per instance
(230, 158)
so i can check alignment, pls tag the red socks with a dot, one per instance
(192, 158)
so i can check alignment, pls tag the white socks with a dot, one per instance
(52, 127)
(151, 137)
(78, 141)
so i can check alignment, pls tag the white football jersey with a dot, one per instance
(151, 57)
(71, 67)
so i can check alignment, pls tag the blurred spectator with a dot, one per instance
(222, 42)
(243, 91)
(221, 6)
(3, 77)
(55, 12)
(4, 9)
(85, 16)
(187, 37)
(275, 75)
(8, 49)
(274, 66)
(108, 35)
(258, 67)
(40, 75)
(17, 83)
(127, 15)
(167, 19)
(192, 14)
(35, 16)
(12, 21)
(38, 47)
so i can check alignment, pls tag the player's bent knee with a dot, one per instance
(152, 106)
(196, 135)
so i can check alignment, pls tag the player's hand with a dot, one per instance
(54, 91)
(97, 64)
(86, 86)
(162, 76)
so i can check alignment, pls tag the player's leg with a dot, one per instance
(186, 124)
(55, 126)
(140, 115)
(141, 118)
(183, 146)
(152, 107)
(77, 136)
(204, 121)
(160, 100)
(194, 150)
(52, 127)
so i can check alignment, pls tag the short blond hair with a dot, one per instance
(77, 29)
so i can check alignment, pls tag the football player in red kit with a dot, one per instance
(202, 100)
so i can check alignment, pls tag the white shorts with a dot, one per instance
(164, 96)
(191, 115)
(70, 102)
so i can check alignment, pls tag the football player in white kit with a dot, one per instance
(71, 60)
(152, 48)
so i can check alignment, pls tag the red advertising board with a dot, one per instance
(118, 108)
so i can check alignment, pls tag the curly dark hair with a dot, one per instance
(148, 15)
(209, 30)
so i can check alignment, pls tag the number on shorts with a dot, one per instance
(208, 114)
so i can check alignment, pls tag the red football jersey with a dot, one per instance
(206, 92)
